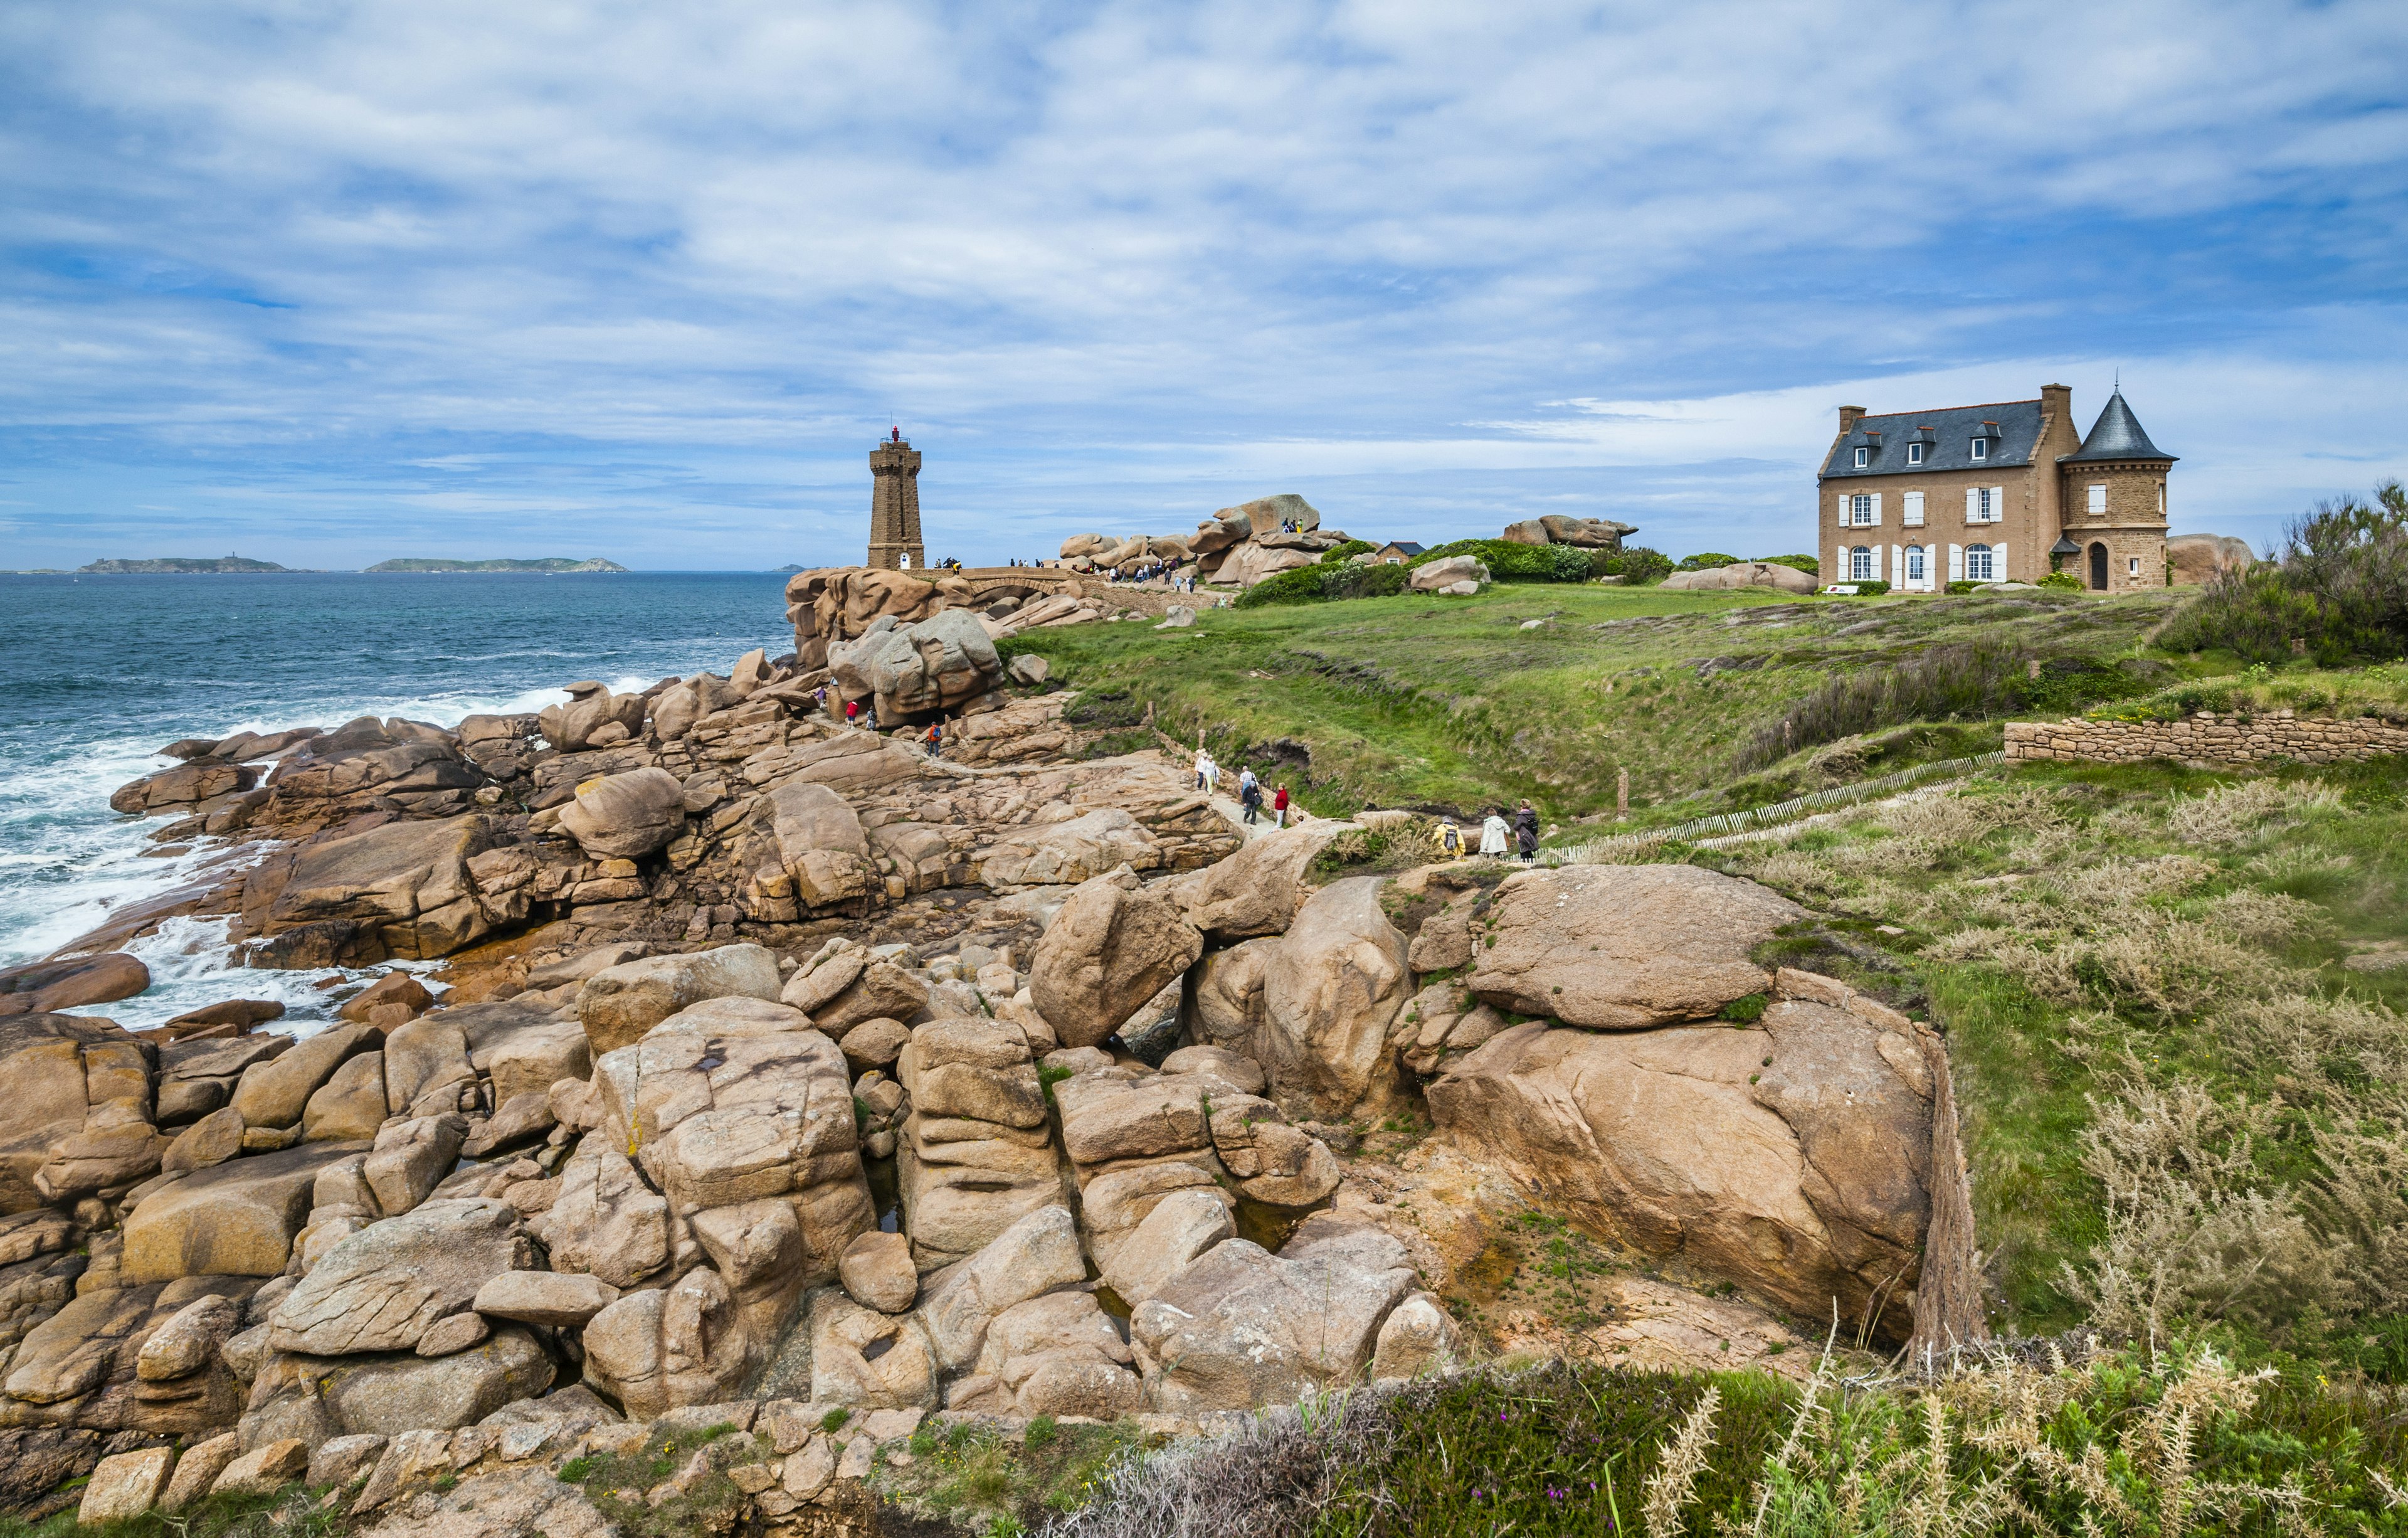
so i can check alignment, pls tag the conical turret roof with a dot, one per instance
(2117, 435)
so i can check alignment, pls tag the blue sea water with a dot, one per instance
(97, 673)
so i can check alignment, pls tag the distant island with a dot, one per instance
(549, 563)
(786, 569)
(181, 565)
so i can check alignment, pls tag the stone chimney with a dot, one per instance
(1849, 417)
(2057, 401)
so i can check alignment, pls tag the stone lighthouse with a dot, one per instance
(894, 505)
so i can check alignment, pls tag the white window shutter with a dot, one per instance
(1911, 513)
(1843, 509)
(1877, 562)
(1998, 561)
(1998, 503)
(1877, 509)
(1972, 504)
(1896, 564)
(1956, 563)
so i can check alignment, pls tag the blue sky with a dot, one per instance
(327, 283)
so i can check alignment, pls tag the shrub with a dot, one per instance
(1960, 585)
(1707, 560)
(1806, 564)
(1508, 562)
(1983, 679)
(1315, 584)
(1341, 553)
(2339, 590)
(1637, 564)
(2064, 580)
(1872, 588)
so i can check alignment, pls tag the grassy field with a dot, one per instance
(1547, 690)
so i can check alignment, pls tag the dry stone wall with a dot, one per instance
(2207, 738)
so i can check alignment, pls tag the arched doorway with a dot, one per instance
(2099, 568)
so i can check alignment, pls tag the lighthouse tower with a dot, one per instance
(895, 507)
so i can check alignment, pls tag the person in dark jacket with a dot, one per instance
(1526, 832)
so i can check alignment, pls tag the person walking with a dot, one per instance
(1495, 835)
(1250, 796)
(1450, 840)
(1278, 807)
(935, 738)
(853, 713)
(1526, 831)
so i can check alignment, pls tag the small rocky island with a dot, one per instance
(180, 566)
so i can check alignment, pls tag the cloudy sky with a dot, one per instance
(328, 282)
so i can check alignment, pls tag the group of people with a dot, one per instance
(1250, 790)
(1498, 837)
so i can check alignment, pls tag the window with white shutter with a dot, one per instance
(1915, 569)
(1910, 510)
(1972, 504)
(1998, 503)
(1998, 562)
(1875, 520)
(1956, 563)
(1860, 564)
(2098, 501)
(1977, 563)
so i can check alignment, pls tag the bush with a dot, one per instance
(1962, 586)
(1707, 560)
(1508, 562)
(1870, 588)
(1341, 554)
(1806, 564)
(1315, 584)
(2063, 580)
(2338, 591)
(1636, 564)
(1984, 679)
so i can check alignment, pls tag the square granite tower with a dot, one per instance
(895, 507)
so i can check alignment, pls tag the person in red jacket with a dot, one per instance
(852, 712)
(1279, 805)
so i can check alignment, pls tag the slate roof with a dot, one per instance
(2117, 434)
(1951, 441)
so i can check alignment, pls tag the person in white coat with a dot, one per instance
(1207, 773)
(1495, 834)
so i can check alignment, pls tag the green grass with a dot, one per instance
(1449, 703)
(981, 1482)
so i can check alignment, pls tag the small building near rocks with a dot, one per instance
(1396, 552)
(2003, 492)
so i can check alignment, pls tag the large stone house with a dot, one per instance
(1998, 493)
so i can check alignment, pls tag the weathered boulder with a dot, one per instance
(238, 1218)
(1054, 1355)
(2194, 558)
(412, 1157)
(348, 1106)
(385, 1287)
(1251, 562)
(877, 1272)
(182, 785)
(41, 988)
(61, 1070)
(976, 1153)
(391, 1394)
(1418, 1337)
(1621, 947)
(1738, 574)
(1802, 1179)
(403, 889)
(619, 1004)
(1066, 852)
(213, 1140)
(605, 1220)
(1182, 1226)
(276, 1092)
(1447, 573)
(936, 664)
(1257, 890)
(1036, 1254)
(1331, 993)
(125, 1485)
(1242, 1327)
(1115, 1202)
(561, 1301)
(821, 845)
(626, 816)
(423, 1058)
(1588, 533)
(531, 1061)
(655, 1350)
(869, 1359)
(1114, 945)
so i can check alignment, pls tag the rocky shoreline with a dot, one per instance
(781, 1074)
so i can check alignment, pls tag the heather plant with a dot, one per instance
(2337, 591)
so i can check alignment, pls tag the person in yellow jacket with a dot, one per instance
(1450, 840)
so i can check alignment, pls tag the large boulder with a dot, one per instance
(656, 1350)
(1791, 1157)
(1257, 890)
(626, 816)
(40, 987)
(1588, 533)
(386, 1286)
(67, 1074)
(1331, 994)
(400, 890)
(1054, 1355)
(821, 845)
(618, 1004)
(1242, 1327)
(2193, 559)
(1251, 562)
(977, 1154)
(1622, 947)
(1034, 1255)
(1225, 1003)
(183, 785)
(908, 669)
(276, 1092)
(1114, 945)
(1449, 575)
(238, 1218)
(1738, 574)
(1266, 514)
(1068, 851)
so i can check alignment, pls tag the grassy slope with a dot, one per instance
(1415, 701)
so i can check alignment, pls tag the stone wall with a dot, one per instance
(2207, 738)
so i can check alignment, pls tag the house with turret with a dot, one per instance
(2003, 492)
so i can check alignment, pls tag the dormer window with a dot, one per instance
(1914, 454)
(1981, 448)
(1864, 457)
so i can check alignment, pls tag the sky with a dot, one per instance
(326, 283)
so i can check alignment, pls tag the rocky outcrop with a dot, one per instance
(1114, 945)
(618, 1004)
(626, 816)
(1455, 576)
(1791, 1157)
(977, 1154)
(402, 890)
(1332, 991)
(908, 670)
(1553, 529)
(44, 987)
(1738, 574)
(1622, 947)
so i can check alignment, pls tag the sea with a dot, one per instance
(98, 672)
